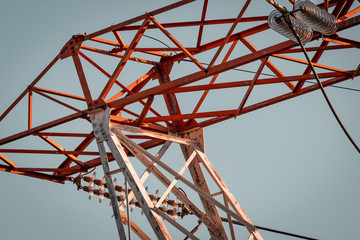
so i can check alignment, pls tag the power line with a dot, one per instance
(286, 16)
(345, 88)
(158, 40)
(272, 230)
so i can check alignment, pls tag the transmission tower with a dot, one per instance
(130, 119)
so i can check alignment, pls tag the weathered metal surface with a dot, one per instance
(133, 104)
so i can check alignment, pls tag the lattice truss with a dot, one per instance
(146, 83)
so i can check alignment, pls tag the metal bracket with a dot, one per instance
(72, 47)
(100, 120)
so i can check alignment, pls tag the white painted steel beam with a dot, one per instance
(138, 152)
(184, 180)
(147, 171)
(167, 137)
(137, 188)
(199, 179)
(230, 197)
(192, 145)
(100, 122)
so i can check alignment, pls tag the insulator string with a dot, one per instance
(277, 22)
(319, 82)
(315, 17)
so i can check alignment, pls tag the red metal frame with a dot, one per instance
(159, 63)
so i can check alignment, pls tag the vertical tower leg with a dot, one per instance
(98, 120)
(198, 137)
(199, 180)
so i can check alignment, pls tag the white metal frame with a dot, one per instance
(192, 146)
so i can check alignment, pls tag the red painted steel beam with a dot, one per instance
(349, 14)
(338, 7)
(119, 39)
(312, 49)
(346, 8)
(58, 93)
(124, 89)
(343, 41)
(314, 59)
(145, 110)
(213, 79)
(201, 28)
(60, 134)
(118, 55)
(58, 152)
(326, 5)
(137, 19)
(55, 100)
(60, 148)
(82, 79)
(216, 43)
(138, 82)
(41, 128)
(81, 147)
(124, 59)
(168, 88)
(292, 95)
(177, 43)
(271, 66)
(306, 63)
(103, 71)
(349, 23)
(252, 84)
(233, 113)
(7, 161)
(258, 82)
(53, 170)
(30, 109)
(186, 116)
(201, 75)
(122, 46)
(52, 178)
(272, 101)
(228, 35)
(37, 79)
(199, 23)
(170, 98)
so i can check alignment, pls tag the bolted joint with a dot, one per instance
(72, 47)
(100, 119)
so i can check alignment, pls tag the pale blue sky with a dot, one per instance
(289, 165)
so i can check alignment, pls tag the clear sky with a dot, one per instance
(289, 165)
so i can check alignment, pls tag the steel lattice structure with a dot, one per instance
(150, 108)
